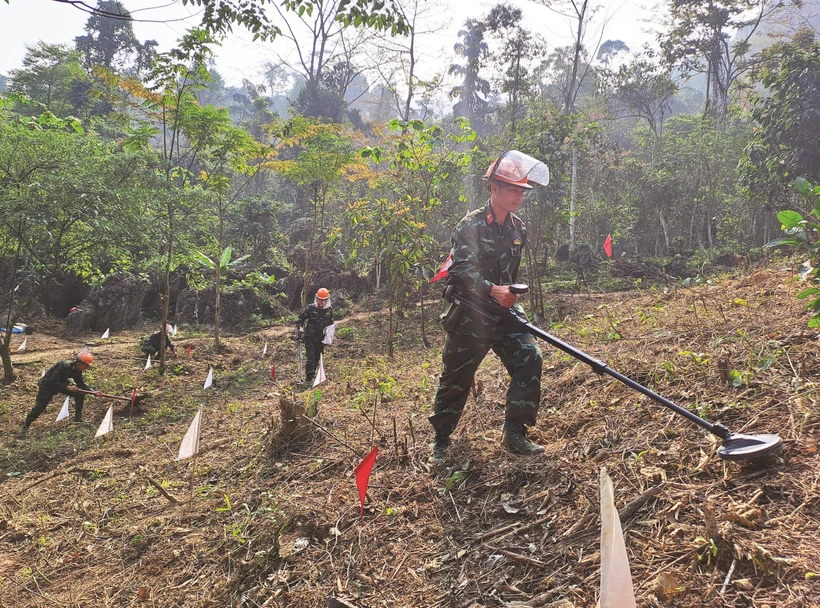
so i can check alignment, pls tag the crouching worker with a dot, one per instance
(56, 380)
(315, 318)
(150, 345)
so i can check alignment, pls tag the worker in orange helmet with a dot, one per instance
(310, 326)
(56, 380)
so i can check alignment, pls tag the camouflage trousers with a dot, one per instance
(462, 355)
(44, 397)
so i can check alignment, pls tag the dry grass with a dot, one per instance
(274, 518)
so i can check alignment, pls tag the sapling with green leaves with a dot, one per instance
(803, 233)
(219, 267)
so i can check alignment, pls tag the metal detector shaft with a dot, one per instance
(598, 367)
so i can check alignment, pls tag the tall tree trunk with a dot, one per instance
(5, 348)
(218, 282)
(165, 297)
(424, 339)
(573, 188)
(665, 227)
(390, 328)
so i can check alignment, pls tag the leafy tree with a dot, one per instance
(701, 39)
(789, 118)
(65, 203)
(471, 94)
(175, 131)
(52, 75)
(644, 90)
(517, 48)
(111, 43)
(324, 154)
(413, 171)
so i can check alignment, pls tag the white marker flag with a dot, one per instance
(23, 345)
(265, 350)
(106, 334)
(64, 411)
(210, 379)
(107, 424)
(320, 373)
(148, 362)
(175, 330)
(616, 580)
(329, 331)
(43, 374)
(190, 443)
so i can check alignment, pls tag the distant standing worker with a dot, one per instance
(484, 262)
(315, 318)
(56, 380)
(150, 346)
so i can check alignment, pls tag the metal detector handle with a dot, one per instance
(103, 395)
(599, 367)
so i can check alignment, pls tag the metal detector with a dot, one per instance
(735, 446)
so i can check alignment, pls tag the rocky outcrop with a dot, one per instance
(116, 304)
(236, 308)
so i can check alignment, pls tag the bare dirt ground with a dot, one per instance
(268, 513)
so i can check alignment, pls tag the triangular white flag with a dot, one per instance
(63, 412)
(107, 424)
(175, 330)
(190, 443)
(320, 373)
(616, 580)
(23, 345)
(329, 331)
(265, 350)
(210, 379)
(106, 334)
(148, 362)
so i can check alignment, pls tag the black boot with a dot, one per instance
(514, 439)
(440, 447)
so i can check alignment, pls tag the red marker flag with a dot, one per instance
(190, 346)
(273, 372)
(363, 476)
(442, 272)
(608, 245)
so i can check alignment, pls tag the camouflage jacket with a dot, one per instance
(154, 340)
(315, 320)
(57, 377)
(485, 253)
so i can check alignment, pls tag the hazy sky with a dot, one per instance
(25, 22)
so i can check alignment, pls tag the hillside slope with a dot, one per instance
(273, 519)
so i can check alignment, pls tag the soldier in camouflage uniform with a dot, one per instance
(55, 381)
(486, 255)
(315, 317)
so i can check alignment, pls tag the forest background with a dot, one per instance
(343, 167)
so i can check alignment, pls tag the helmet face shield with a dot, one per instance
(516, 168)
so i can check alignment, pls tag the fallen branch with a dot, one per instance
(522, 559)
(331, 435)
(161, 490)
(513, 528)
(636, 503)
